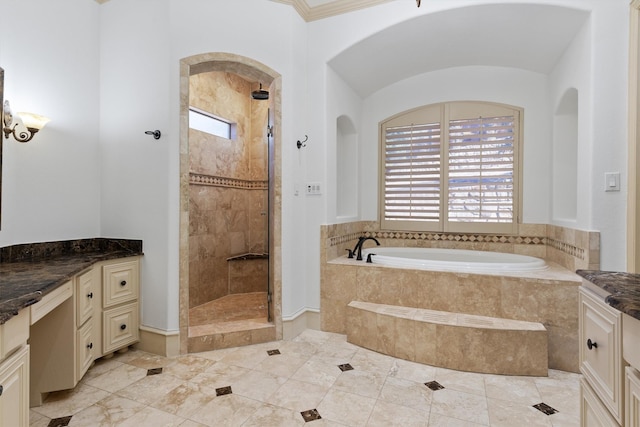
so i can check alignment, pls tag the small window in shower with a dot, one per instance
(207, 122)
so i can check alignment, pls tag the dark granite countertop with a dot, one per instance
(624, 289)
(30, 271)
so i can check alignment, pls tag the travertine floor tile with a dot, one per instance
(463, 406)
(69, 402)
(348, 408)
(272, 391)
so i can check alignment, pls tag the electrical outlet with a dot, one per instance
(313, 189)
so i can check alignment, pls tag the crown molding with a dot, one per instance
(325, 10)
(332, 8)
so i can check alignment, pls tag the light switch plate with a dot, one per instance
(612, 181)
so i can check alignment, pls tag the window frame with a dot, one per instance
(207, 115)
(445, 112)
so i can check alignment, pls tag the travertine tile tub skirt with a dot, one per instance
(450, 340)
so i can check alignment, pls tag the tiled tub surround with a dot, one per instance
(30, 271)
(548, 297)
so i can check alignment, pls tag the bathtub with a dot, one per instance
(453, 259)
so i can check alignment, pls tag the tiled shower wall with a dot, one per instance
(573, 249)
(228, 188)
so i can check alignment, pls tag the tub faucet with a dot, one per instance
(358, 247)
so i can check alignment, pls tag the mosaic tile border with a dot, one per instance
(566, 248)
(471, 238)
(219, 181)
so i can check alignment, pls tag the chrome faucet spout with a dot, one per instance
(359, 246)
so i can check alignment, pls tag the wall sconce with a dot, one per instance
(32, 122)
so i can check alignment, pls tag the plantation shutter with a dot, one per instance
(481, 169)
(451, 167)
(412, 172)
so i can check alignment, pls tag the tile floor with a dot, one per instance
(302, 384)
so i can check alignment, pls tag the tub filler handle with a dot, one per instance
(369, 258)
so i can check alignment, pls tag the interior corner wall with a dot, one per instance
(516, 87)
(609, 100)
(142, 43)
(49, 51)
(573, 70)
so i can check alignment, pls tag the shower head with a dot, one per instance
(260, 93)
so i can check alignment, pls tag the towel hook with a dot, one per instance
(156, 133)
(302, 143)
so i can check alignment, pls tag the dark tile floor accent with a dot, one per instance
(223, 390)
(154, 371)
(60, 422)
(545, 409)
(434, 385)
(273, 352)
(310, 415)
(345, 367)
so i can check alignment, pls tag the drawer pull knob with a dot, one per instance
(90, 295)
(1, 389)
(591, 344)
(123, 327)
(123, 283)
(90, 345)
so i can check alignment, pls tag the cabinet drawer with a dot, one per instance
(120, 281)
(632, 394)
(85, 294)
(601, 351)
(120, 327)
(85, 349)
(51, 301)
(14, 332)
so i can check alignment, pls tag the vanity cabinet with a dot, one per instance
(14, 371)
(92, 316)
(632, 393)
(121, 290)
(601, 361)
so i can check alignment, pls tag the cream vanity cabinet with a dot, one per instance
(609, 362)
(91, 316)
(602, 402)
(14, 371)
(631, 354)
(120, 294)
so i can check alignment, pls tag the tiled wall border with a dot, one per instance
(219, 181)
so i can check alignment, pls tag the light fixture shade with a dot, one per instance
(33, 121)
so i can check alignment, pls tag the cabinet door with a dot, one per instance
(85, 295)
(14, 390)
(632, 394)
(601, 351)
(120, 283)
(592, 411)
(120, 327)
(85, 349)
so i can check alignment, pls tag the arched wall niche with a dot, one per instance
(565, 159)
(253, 71)
(346, 169)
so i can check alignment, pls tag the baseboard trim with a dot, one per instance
(158, 341)
(306, 318)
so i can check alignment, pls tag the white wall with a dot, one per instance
(106, 73)
(143, 42)
(50, 186)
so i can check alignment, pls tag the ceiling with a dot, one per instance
(527, 36)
